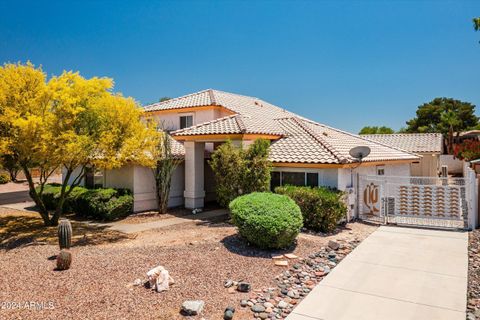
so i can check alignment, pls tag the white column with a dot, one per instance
(194, 170)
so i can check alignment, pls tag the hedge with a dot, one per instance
(267, 220)
(322, 208)
(98, 204)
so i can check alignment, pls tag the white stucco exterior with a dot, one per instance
(171, 120)
(343, 178)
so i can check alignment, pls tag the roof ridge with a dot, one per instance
(213, 101)
(175, 99)
(319, 139)
(204, 123)
(240, 123)
(235, 94)
(359, 136)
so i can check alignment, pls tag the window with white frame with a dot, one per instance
(186, 121)
(381, 170)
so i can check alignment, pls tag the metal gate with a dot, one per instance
(420, 201)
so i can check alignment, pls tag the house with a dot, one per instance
(428, 145)
(303, 152)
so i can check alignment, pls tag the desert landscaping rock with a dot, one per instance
(333, 245)
(137, 282)
(258, 308)
(228, 315)
(244, 287)
(281, 263)
(295, 283)
(192, 307)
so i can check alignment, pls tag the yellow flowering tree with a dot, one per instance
(69, 122)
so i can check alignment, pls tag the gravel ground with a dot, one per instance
(200, 257)
(473, 306)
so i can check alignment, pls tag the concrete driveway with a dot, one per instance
(396, 273)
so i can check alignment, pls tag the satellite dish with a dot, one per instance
(359, 152)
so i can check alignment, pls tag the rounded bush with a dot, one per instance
(267, 220)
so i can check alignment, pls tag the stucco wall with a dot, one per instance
(428, 166)
(342, 178)
(455, 166)
(119, 178)
(144, 188)
(171, 120)
(345, 175)
(74, 174)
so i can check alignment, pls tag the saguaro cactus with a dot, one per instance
(64, 234)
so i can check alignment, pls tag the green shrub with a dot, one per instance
(98, 204)
(119, 207)
(4, 178)
(267, 220)
(51, 192)
(240, 170)
(322, 208)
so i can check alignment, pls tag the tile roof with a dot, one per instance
(302, 140)
(412, 142)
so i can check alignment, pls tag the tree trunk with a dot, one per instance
(450, 140)
(64, 194)
(36, 198)
(13, 174)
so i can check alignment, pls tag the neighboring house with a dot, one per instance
(303, 152)
(427, 145)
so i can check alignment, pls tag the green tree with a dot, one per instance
(376, 130)
(69, 122)
(476, 24)
(257, 167)
(240, 171)
(443, 115)
(162, 99)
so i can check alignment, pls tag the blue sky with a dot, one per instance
(343, 63)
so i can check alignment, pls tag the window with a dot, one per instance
(293, 178)
(186, 121)
(275, 180)
(312, 179)
(380, 170)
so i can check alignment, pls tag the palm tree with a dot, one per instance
(452, 120)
